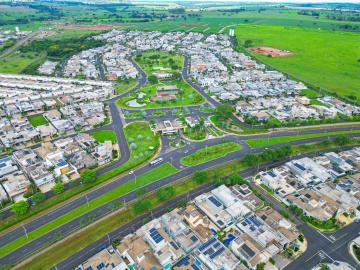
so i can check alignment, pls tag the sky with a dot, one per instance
(275, 1)
(288, 1)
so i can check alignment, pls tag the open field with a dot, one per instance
(269, 141)
(17, 62)
(210, 153)
(153, 175)
(334, 68)
(37, 120)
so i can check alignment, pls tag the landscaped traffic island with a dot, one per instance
(209, 153)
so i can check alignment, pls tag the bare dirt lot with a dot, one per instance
(271, 51)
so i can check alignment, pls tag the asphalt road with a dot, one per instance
(172, 156)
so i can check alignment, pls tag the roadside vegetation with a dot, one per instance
(209, 153)
(275, 140)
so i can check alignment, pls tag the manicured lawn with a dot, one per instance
(210, 153)
(153, 175)
(145, 143)
(233, 127)
(104, 135)
(125, 86)
(196, 133)
(37, 120)
(270, 141)
(335, 68)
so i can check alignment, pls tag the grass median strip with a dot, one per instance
(151, 176)
(210, 153)
(269, 141)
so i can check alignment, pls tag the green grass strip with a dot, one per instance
(269, 141)
(151, 176)
(210, 153)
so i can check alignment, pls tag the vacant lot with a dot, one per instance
(104, 135)
(37, 120)
(324, 58)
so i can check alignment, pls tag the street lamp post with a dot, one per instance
(133, 173)
(25, 232)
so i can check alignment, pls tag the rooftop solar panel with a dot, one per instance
(206, 244)
(299, 166)
(215, 201)
(217, 253)
(194, 266)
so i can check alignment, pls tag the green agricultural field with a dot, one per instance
(327, 59)
(269, 141)
(209, 153)
(104, 135)
(37, 120)
(161, 62)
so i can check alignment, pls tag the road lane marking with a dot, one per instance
(312, 256)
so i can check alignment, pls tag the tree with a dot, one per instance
(342, 140)
(324, 266)
(200, 177)
(248, 43)
(165, 193)
(20, 208)
(58, 188)
(236, 179)
(224, 112)
(252, 160)
(141, 206)
(260, 266)
(141, 192)
(152, 79)
(133, 146)
(88, 176)
(37, 197)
